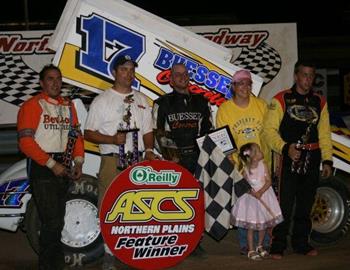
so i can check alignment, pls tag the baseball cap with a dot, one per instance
(241, 75)
(121, 60)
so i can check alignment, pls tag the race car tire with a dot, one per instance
(81, 237)
(331, 212)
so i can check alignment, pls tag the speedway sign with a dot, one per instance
(152, 215)
(91, 35)
(267, 50)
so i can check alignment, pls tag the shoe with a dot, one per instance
(307, 250)
(108, 262)
(276, 256)
(253, 255)
(262, 252)
(199, 252)
(312, 252)
(243, 251)
(276, 250)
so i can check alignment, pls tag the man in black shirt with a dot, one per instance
(180, 117)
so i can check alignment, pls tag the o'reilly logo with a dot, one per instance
(141, 175)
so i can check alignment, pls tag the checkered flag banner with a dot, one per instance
(19, 82)
(218, 176)
(264, 61)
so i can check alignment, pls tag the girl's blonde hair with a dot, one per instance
(244, 155)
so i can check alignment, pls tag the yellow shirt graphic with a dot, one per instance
(245, 124)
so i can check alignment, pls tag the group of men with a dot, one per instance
(296, 125)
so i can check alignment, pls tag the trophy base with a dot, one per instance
(128, 130)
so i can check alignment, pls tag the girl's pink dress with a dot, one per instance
(249, 212)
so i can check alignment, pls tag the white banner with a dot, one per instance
(91, 35)
(268, 50)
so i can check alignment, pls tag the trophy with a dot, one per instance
(73, 135)
(301, 166)
(128, 158)
(167, 146)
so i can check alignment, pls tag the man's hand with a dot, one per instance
(149, 155)
(326, 171)
(59, 170)
(293, 152)
(77, 171)
(230, 158)
(119, 138)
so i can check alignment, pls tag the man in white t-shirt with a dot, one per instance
(119, 108)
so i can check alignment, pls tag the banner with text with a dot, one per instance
(152, 215)
(90, 36)
(268, 50)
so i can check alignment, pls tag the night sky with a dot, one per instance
(322, 19)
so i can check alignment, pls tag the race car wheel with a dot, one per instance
(331, 212)
(81, 235)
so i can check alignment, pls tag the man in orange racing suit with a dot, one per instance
(297, 126)
(48, 137)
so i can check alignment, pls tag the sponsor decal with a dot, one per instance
(152, 215)
(12, 192)
(213, 84)
(55, 122)
(103, 41)
(17, 44)
(249, 39)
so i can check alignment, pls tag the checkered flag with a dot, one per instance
(18, 82)
(263, 61)
(218, 177)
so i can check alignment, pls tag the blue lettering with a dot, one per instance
(212, 79)
(164, 60)
(91, 53)
(13, 192)
(132, 43)
(179, 59)
(224, 87)
(103, 42)
(197, 72)
(201, 74)
(191, 67)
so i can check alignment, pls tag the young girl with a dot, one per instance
(258, 209)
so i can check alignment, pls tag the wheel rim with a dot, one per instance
(82, 225)
(328, 210)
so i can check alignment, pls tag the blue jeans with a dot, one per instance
(242, 238)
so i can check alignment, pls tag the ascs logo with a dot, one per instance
(152, 215)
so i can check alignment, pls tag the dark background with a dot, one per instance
(313, 19)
